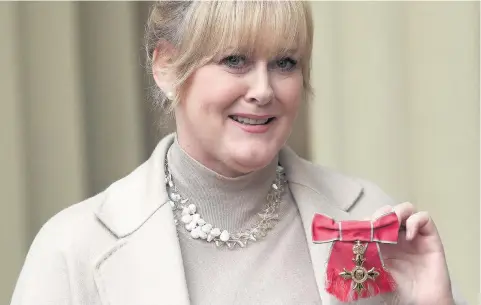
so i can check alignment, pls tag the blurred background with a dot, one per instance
(397, 102)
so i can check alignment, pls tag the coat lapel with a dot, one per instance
(308, 204)
(146, 268)
(144, 264)
(315, 190)
(319, 190)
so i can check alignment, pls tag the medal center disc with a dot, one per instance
(359, 275)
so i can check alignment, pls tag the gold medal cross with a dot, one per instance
(359, 274)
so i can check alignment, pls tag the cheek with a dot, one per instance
(289, 93)
(213, 92)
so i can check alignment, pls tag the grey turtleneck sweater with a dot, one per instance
(274, 270)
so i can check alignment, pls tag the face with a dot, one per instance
(237, 111)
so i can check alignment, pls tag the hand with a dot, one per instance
(417, 262)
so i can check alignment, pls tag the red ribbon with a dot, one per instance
(343, 235)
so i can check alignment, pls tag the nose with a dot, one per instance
(260, 90)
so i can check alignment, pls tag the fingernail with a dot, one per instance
(409, 235)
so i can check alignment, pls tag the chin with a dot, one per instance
(254, 160)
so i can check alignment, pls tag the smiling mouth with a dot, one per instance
(248, 121)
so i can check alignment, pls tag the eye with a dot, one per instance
(234, 61)
(286, 64)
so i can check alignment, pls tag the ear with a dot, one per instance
(162, 70)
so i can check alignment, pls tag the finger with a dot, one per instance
(404, 211)
(419, 223)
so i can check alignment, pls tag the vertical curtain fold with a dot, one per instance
(53, 111)
(323, 142)
(443, 127)
(112, 75)
(371, 95)
(13, 209)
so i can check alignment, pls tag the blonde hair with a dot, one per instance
(202, 30)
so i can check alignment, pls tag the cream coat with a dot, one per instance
(121, 248)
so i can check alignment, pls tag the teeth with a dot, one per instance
(249, 121)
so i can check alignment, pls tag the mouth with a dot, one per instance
(251, 121)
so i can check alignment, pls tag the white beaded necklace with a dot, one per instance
(188, 217)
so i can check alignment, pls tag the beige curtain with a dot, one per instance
(397, 102)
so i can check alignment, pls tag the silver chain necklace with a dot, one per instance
(188, 217)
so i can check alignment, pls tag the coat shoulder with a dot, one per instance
(358, 196)
(371, 197)
(61, 250)
(70, 225)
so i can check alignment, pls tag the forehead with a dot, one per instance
(262, 28)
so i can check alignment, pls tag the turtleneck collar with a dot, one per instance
(228, 203)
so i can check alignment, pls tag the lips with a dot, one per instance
(252, 120)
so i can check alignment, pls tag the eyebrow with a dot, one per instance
(288, 51)
(240, 51)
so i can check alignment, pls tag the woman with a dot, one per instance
(222, 211)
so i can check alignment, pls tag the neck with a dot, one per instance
(227, 202)
(213, 164)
